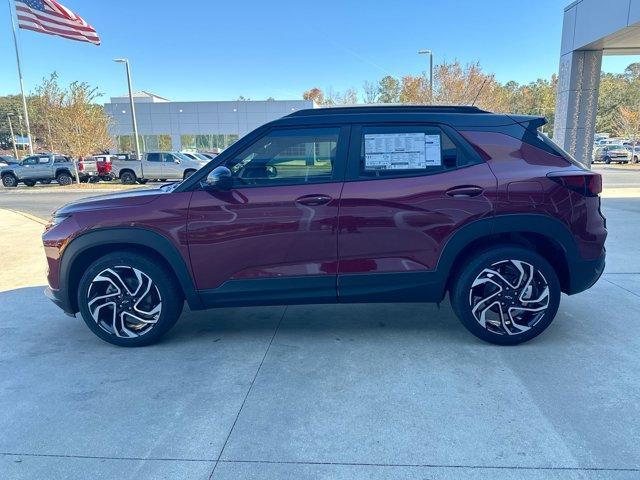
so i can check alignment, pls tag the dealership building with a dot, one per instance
(167, 125)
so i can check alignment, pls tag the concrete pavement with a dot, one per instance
(335, 392)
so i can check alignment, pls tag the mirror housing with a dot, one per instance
(220, 178)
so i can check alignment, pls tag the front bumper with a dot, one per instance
(57, 297)
(585, 273)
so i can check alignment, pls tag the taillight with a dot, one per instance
(588, 184)
(80, 166)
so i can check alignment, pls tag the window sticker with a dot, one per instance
(401, 151)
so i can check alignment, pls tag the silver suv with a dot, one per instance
(43, 168)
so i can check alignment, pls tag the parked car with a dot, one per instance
(634, 152)
(197, 156)
(156, 166)
(88, 170)
(6, 160)
(104, 164)
(344, 205)
(43, 168)
(612, 153)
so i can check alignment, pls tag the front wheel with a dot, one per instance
(129, 299)
(607, 160)
(506, 295)
(9, 181)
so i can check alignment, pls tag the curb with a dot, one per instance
(28, 216)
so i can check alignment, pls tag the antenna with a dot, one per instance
(479, 91)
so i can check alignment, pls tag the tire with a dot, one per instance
(128, 178)
(635, 159)
(143, 181)
(164, 291)
(29, 183)
(187, 174)
(163, 179)
(45, 182)
(9, 181)
(607, 160)
(64, 179)
(468, 304)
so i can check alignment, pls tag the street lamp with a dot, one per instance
(13, 138)
(430, 53)
(133, 108)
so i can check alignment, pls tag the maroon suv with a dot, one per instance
(344, 205)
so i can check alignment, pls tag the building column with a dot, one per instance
(577, 102)
(176, 142)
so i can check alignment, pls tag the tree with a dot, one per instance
(389, 90)
(628, 124)
(371, 93)
(314, 94)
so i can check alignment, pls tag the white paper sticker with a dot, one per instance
(401, 151)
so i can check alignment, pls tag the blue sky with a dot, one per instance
(219, 50)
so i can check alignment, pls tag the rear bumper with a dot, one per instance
(57, 297)
(585, 273)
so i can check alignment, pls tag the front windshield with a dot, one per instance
(202, 157)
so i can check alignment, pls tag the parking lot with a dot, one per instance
(331, 391)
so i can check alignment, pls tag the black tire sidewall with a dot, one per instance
(460, 292)
(172, 300)
(67, 179)
(128, 178)
(14, 181)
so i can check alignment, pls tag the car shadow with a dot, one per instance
(25, 309)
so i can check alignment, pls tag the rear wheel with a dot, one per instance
(607, 160)
(9, 181)
(29, 183)
(64, 179)
(128, 178)
(506, 295)
(128, 299)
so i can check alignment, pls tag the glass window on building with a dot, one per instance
(187, 142)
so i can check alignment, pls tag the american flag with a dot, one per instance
(48, 16)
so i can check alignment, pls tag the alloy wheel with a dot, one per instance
(124, 301)
(510, 297)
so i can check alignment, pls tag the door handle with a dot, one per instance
(314, 200)
(465, 191)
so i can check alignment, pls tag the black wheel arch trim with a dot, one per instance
(136, 237)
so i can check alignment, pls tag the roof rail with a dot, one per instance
(386, 108)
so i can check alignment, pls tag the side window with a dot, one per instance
(288, 156)
(44, 160)
(30, 161)
(407, 150)
(153, 157)
(60, 159)
(167, 157)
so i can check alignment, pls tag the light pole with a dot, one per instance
(430, 53)
(133, 109)
(13, 137)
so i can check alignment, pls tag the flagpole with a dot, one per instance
(24, 99)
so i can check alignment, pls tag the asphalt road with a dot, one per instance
(43, 200)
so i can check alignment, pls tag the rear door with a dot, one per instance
(408, 188)
(273, 237)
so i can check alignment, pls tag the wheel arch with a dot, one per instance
(545, 235)
(86, 248)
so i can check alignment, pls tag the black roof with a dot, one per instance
(361, 109)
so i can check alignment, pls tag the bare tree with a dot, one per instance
(371, 93)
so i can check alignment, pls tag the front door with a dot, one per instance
(172, 167)
(272, 238)
(409, 188)
(152, 167)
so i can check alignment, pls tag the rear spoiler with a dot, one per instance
(530, 122)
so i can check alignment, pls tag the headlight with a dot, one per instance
(56, 219)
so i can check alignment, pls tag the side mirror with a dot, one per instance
(176, 160)
(220, 178)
